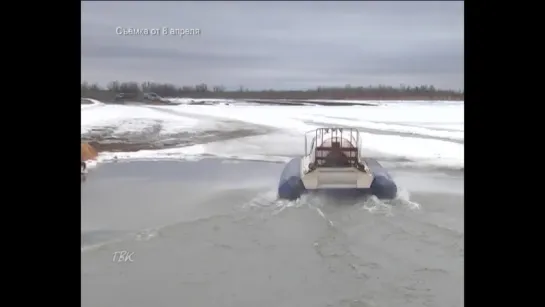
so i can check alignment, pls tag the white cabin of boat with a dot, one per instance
(334, 160)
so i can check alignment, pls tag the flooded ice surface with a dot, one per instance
(211, 233)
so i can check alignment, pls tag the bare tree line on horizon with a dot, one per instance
(380, 92)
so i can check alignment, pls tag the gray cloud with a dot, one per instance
(276, 44)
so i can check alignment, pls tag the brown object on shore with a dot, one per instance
(88, 152)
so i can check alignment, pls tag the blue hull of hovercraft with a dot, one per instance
(291, 186)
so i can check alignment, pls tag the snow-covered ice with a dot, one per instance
(417, 133)
(130, 118)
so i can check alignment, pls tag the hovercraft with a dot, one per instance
(334, 162)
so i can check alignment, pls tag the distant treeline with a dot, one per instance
(381, 92)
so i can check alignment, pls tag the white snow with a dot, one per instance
(124, 118)
(432, 133)
(94, 103)
(191, 100)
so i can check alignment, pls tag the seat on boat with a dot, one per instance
(336, 153)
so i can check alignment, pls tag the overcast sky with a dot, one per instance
(280, 45)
